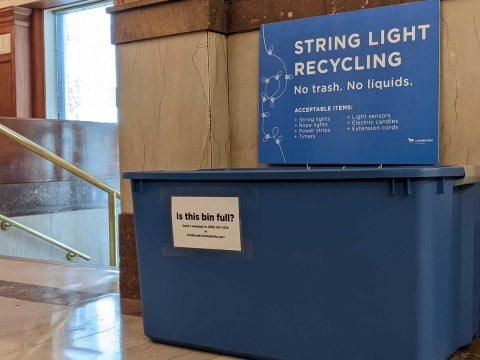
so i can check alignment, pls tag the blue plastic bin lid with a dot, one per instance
(275, 174)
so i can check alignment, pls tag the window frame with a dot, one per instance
(56, 64)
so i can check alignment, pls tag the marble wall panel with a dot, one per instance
(217, 69)
(166, 89)
(460, 83)
(243, 68)
(84, 230)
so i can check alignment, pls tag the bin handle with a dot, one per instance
(472, 175)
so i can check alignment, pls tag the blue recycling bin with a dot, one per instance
(335, 263)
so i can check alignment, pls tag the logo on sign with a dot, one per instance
(420, 141)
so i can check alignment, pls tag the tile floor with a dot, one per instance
(55, 311)
(72, 312)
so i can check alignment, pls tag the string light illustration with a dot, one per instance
(269, 98)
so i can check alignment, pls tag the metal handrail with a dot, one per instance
(71, 252)
(113, 194)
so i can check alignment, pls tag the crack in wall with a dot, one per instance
(217, 149)
(209, 102)
(227, 149)
(451, 68)
(225, 59)
(164, 90)
(446, 144)
(217, 71)
(444, 148)
(475, 28)
(196, 66)
(206, 151)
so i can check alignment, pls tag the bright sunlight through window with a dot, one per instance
(86, 82)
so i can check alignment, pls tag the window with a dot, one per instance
(85, 64)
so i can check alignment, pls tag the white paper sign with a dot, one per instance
(206, 223)
(5, 44)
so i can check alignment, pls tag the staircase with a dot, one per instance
(47, 213)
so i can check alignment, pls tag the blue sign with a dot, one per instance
(354, 88)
